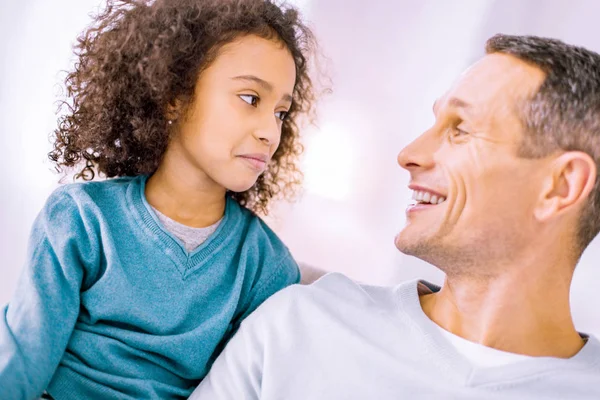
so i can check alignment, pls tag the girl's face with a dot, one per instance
(233, 127)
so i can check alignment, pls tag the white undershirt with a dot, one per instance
(479, 355)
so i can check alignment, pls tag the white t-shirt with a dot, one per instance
(336, 339)
(478, 355)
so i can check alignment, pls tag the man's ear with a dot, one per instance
(568, 184)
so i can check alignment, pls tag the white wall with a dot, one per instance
(35, 45)
(389, 60)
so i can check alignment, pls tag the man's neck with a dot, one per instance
(184, 194)
(517, 311)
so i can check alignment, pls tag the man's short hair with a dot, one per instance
(564, 114)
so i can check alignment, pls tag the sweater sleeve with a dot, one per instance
(285, 273)
(36, 325)
(237, 373)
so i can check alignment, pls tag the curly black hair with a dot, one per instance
(138, 56)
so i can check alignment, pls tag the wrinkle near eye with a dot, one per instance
(477, 157)
(487, 143)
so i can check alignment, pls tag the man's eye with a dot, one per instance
(459, 132)
(250, 99)
(457, 135)
(281, 115)
(459, 129)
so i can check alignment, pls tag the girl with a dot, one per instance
(133, 285)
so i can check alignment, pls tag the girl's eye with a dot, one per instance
(250, 99)
(281, 115)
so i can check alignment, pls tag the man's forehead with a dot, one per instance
(495, 80)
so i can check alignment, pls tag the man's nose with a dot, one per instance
(419, 153)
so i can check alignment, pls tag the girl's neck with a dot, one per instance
(189, 198)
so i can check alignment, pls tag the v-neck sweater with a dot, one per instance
(111, 305)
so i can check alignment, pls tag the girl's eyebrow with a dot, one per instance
(264, 84)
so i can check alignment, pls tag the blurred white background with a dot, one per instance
(388, 61)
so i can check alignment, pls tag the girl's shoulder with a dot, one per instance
(256, 234)
(95, 188)
(108, 193)
(255, 227)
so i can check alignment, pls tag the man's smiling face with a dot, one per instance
(473, 193)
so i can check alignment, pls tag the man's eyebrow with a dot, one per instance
(458, 103)
(261, 82)
(455, 102)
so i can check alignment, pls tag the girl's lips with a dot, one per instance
(257, 162)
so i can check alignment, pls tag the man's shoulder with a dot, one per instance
(333, 292)
(328, 314)
(340, 287)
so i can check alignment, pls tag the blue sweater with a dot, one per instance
(110, 305)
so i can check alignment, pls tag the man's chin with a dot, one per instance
(403, 243)
(412, 244)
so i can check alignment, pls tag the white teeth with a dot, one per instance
(426, 197)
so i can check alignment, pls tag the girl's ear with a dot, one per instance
(174, 110)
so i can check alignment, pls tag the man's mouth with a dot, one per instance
(425, 197)
(424, 200)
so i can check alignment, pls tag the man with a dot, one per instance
(507, 198)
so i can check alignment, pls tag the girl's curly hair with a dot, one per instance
(138, 56)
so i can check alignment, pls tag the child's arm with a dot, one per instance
(36, 325)
(274, 277)
(237, 372)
